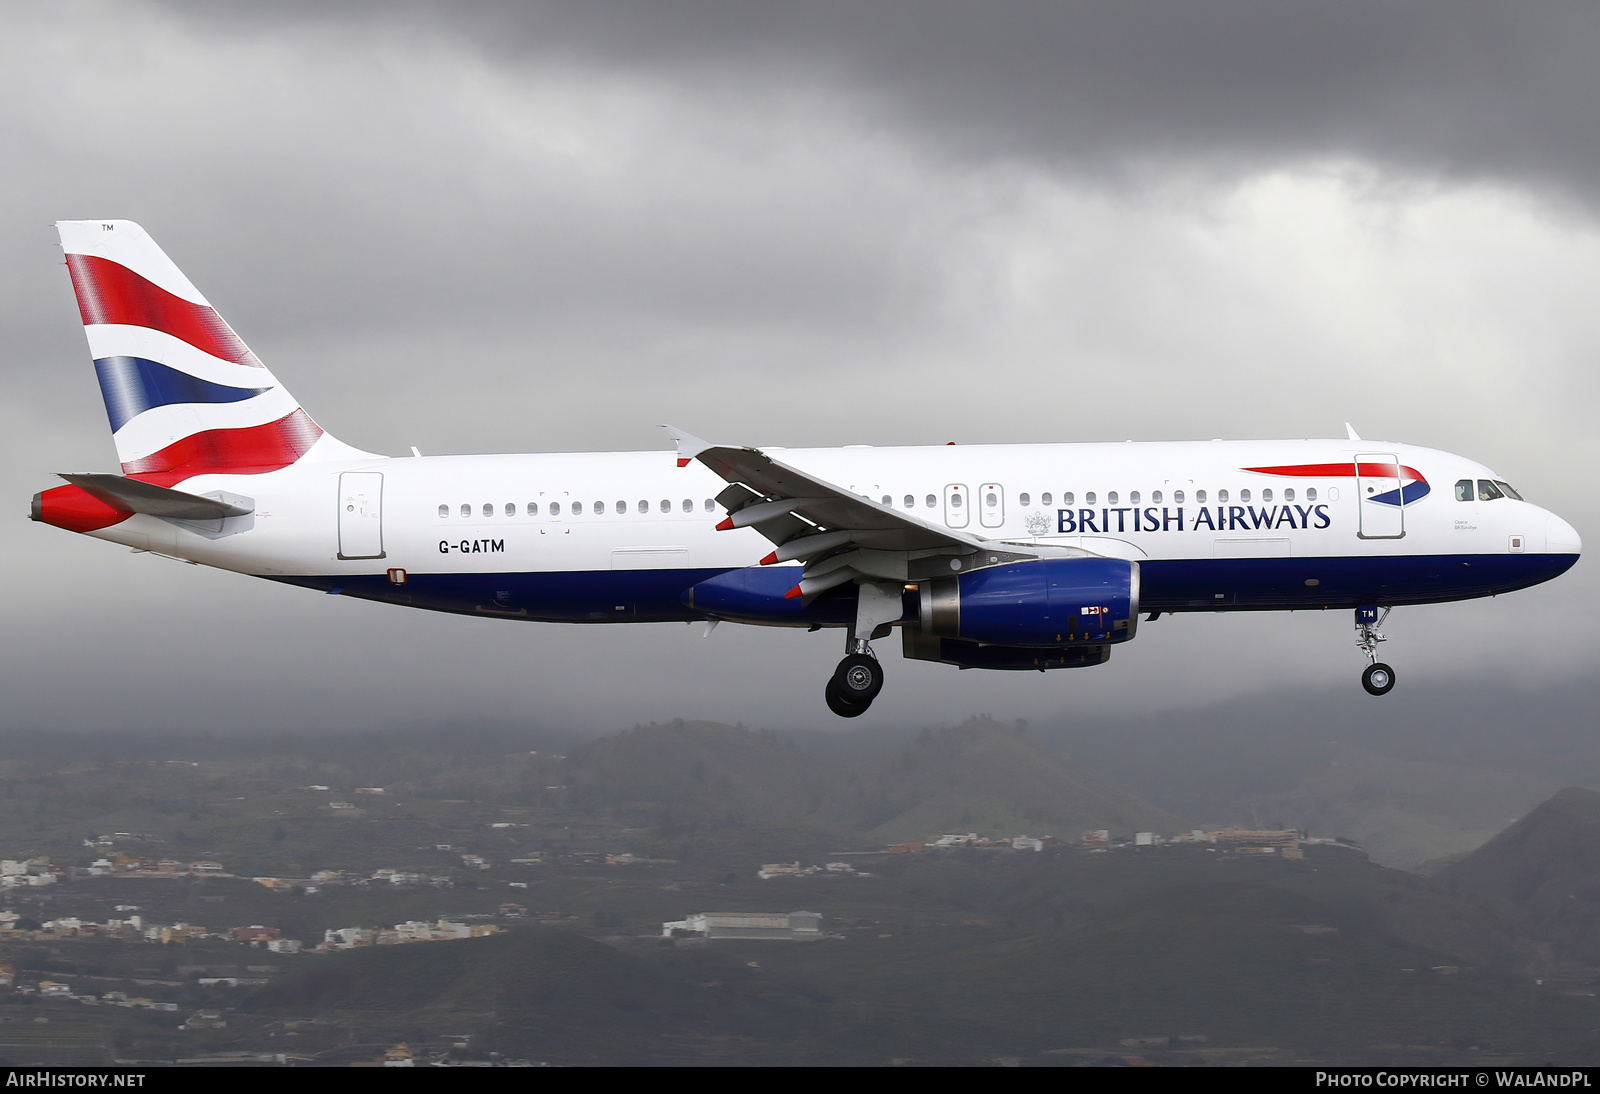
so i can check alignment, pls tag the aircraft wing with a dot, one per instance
(839, 535)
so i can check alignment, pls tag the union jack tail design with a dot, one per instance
(185, 395)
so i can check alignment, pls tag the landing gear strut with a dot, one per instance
(1378, 678)
(859, 677)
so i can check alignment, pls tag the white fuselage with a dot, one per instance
(637, 512)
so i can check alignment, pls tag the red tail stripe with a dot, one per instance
(1334, 470)
(109, 292)
(253, 450)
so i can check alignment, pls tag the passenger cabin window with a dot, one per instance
(1266, 494)
(1487, 491)
(444, 510)
(1244, 495)
(1133, 498)
(1044, 498)
(688, 505)
(1155, 497)
(1288, 493)
(511, 508)
(931, 500)
(466, 510)
(1200, 496)
(909, 501)
(1022, 499)
(887, 500)
(1311, 493)
(533, 509)
(488, 510)
(1177, 497)
(666, 506)
(711, 505)
(1222, 495)
(1067, 499)
(555, 509)
(1111, 498)
(622, 507)
(1464, 491)
(991, 499)
(1088, 499)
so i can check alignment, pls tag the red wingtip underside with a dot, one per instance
(792, 593)
(683, 461)
(770, 559)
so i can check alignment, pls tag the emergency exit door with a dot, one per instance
(991, 503)
(361, 514)
(956, 505)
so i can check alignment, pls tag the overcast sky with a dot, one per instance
(548, 226)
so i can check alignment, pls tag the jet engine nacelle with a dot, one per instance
(1054, 602)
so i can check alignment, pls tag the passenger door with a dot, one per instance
(361, 514)
(1378, 497)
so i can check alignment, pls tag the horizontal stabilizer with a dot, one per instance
(134, 496)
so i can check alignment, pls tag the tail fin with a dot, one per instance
(184, 394)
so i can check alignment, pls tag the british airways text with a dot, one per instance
(1218, 518)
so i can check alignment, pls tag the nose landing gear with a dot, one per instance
(1378, 678)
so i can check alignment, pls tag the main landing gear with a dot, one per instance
(1378, 678)
(859, 677)
(855, 683)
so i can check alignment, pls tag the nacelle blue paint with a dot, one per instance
(1051, 603)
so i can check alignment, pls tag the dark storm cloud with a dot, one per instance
(1459, 90)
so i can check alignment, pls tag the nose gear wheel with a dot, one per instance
(1378, 679)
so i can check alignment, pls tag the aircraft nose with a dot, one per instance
(1561, 537)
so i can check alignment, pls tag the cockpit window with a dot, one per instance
(1487, 491)
(1464, 490)
(1505, 488)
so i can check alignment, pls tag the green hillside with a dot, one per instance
(693, 774)
(963, 959)
(993, 779)
(1544, 874)
(536, 993)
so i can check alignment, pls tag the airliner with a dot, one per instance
(1007, 557)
